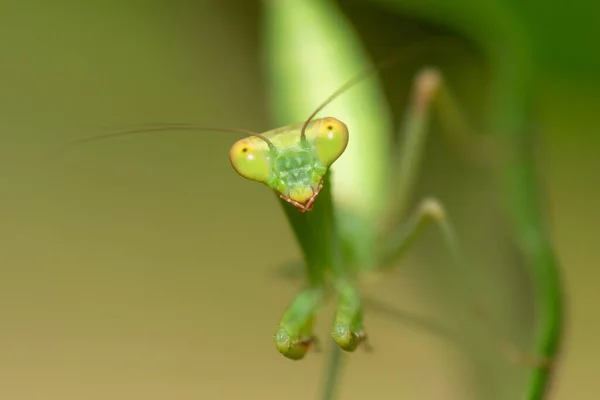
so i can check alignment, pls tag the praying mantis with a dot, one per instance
(294, 161)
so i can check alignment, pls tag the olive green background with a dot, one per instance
(145, 268)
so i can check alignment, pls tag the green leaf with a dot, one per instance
(312, 50)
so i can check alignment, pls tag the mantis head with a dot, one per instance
(292, 160)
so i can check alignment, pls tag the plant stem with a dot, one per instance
(333, 372)
(521, 185)
(519, 178)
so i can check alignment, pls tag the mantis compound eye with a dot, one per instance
(250, 159)
(331, 140)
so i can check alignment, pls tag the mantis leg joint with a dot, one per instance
(433, 209)
(426, 84)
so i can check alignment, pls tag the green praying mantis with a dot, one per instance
(293, 161)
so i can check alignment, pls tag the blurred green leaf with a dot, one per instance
(312, 50)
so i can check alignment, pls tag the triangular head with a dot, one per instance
(291, 162)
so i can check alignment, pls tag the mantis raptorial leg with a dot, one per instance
(348, 331)
(294, 337)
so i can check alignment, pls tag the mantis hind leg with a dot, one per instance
(400, 241)
(431, 94)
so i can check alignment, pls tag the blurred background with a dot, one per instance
(144, 267)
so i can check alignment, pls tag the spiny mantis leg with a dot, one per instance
(294, 337)
(309, 204)
(348, 331)
(401, 240)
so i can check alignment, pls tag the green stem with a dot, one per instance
(520, 181)
(519, 178)
(545, 271)
(333, 372)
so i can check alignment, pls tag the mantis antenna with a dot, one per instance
(404, 54)
(356, 79)
(167, 127)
